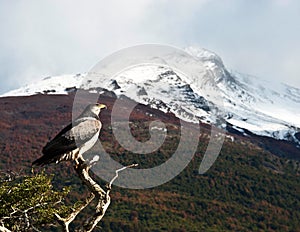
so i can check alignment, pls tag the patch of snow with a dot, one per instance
(264, 108)
(48, 85)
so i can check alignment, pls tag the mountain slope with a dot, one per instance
(269, 109)
(247, 189)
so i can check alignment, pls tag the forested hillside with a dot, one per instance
(253, 186)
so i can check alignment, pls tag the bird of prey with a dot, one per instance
(74, 139)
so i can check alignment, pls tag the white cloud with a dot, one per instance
(40, 38)
(53, 37)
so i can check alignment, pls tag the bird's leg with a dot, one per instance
(76, 162)
(79, 160)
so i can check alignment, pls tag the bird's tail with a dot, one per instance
(37, 162)
(41, 161)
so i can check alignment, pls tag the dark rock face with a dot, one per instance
(142, 92)
(114, 85)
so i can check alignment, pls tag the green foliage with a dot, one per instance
(29, 201)
(247, 189)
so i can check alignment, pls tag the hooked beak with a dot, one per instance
(102, 106)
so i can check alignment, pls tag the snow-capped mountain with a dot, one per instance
(264, 108)
(48, 85)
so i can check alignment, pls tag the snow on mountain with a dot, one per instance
(163, 89)
(48, 85)
(264, 108)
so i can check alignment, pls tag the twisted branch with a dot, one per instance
(102, 196)
(3, 229)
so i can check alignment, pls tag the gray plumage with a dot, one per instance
(75, 139)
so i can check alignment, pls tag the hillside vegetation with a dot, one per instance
(248, 188)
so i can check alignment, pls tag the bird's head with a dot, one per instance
(96, 108)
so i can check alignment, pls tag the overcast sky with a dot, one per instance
(43, 38)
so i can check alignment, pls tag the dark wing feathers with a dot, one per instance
(61, 143)
(72, 136)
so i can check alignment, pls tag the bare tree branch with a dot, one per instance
(102, 196)
(3, 229)
(103, 202)
(117, 173)
(65, 222)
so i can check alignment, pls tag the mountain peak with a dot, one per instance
(260, 107)
(204, 55)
